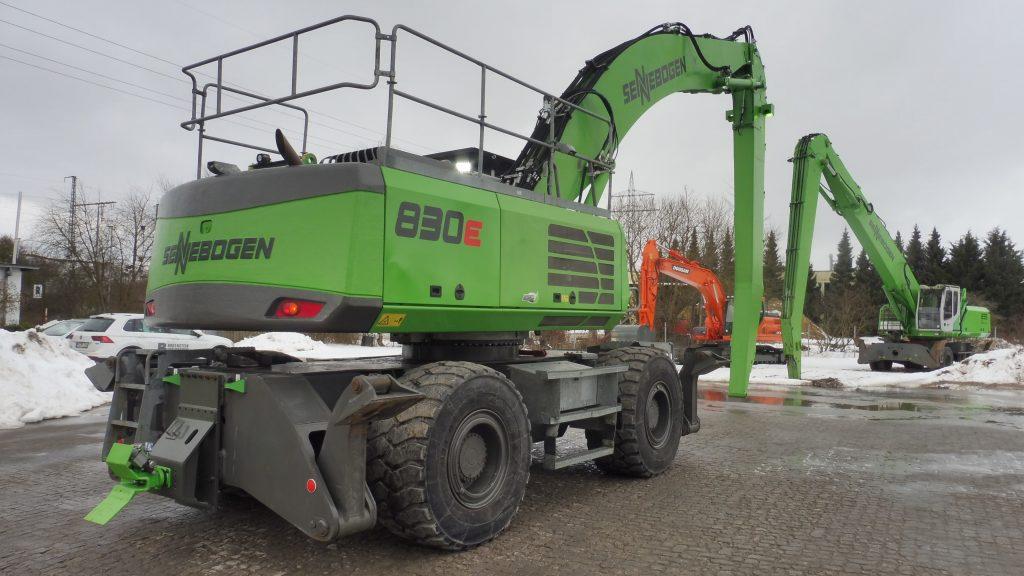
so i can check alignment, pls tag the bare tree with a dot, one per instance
(636, 213)
(133, 227)
(99, 253)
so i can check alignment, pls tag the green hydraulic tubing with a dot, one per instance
(133, 481)
(814, 160)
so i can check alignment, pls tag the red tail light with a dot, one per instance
(151, 308)
(291, 308)
(102, 339)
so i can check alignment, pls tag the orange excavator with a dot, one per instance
(717, 306)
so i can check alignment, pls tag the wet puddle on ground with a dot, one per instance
(902, 404)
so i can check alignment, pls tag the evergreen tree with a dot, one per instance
(965, 265)
(692, 249)
(6, 248)
(728, 259)
(866, 278)
(774, 269)
(709, 252)
(915, 252)
(842, 272)
(812, 300)
(868, 290)
(899, 242)
(934, 271)
(1003, 274)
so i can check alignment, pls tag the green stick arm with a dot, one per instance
(814, 160)
(618, 87)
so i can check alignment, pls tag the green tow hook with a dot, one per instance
(133, 481)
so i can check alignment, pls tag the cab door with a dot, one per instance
(950, 308)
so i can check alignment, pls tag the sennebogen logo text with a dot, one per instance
(185, 251)
(643, 81)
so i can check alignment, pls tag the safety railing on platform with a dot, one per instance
(216, 89)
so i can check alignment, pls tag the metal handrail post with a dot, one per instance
(295, 63)
(483, 117)
(201, 131)
(220, 82)
(392, 80)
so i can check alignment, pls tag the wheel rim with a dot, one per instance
(478, 459)
(658, 415)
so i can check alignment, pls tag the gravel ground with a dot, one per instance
(807, 481)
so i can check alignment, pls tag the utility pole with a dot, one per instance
(17, 231)
(74, 200)
(633, 200)
(98, 265)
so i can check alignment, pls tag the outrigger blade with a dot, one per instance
(133, 481)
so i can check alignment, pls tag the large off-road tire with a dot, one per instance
(451, 471)
(650, 424)
(881, 366)
(947, 358)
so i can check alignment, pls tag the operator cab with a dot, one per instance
(938, 308)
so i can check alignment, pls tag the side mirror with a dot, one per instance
(197, 333)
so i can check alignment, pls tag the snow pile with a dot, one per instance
(1004, 366)
(306, 348)
(41, 378)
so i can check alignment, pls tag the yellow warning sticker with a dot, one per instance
(391, 320)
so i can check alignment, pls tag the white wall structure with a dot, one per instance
(10, 293)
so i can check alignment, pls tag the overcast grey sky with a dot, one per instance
(918, 97)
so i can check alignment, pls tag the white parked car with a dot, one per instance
(57, 330)
(106, 335)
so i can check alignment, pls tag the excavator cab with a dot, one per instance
(938, 308)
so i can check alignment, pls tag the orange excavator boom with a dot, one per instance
(690, 272)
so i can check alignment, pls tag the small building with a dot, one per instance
(822, 278)
(10, 293)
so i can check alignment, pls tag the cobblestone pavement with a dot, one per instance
(805, 482)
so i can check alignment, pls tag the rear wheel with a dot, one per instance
(947, 358)
(451, 471)
(650, 424)
(881, 365)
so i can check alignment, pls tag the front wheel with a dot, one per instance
(881, 366)
(451, 471)
(947, 358)
(651, 423)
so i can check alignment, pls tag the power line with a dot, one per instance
(376, 133)
(31, 195)
(175, 78)
(237, 122)
(22, 176)
(59, 73)
(315, 59)
(180, 107)
(89, 34)
(97, 52)
(111, 78)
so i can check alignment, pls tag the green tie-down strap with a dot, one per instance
(133, 481)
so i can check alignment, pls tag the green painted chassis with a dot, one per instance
(428, 255)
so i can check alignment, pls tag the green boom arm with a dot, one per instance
(619, 86)
(813, 160)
